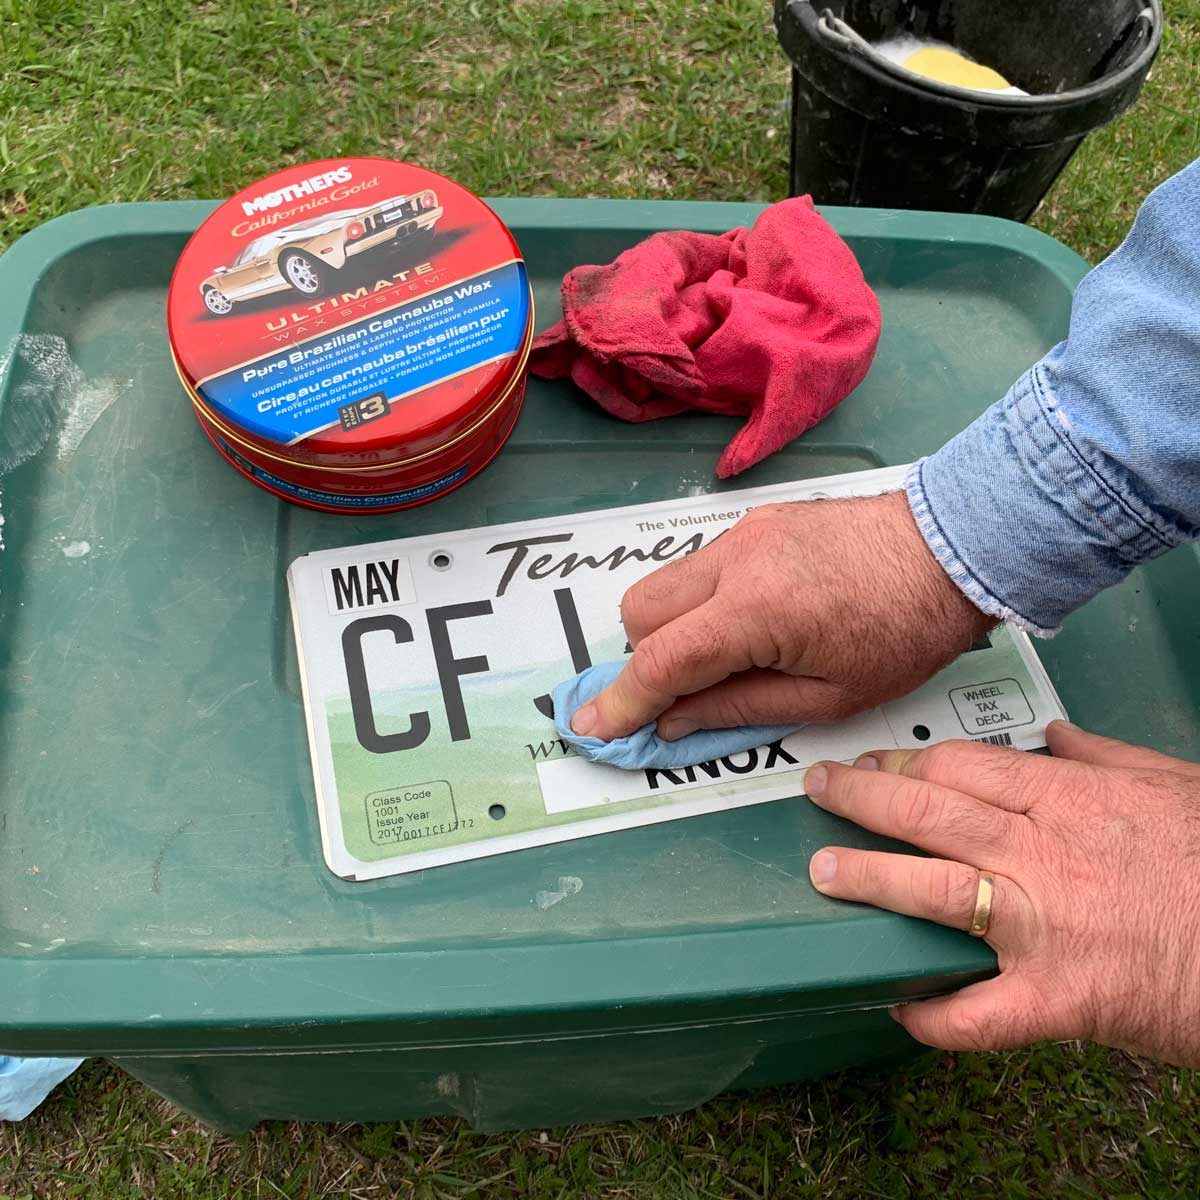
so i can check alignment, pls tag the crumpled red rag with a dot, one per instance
(776, 322)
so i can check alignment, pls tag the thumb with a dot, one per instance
(999, 1014)
(756, 697)
(1069, 741)
(687, 655)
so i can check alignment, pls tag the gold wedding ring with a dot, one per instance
(983, 906)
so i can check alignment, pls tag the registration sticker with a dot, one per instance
(427, 665)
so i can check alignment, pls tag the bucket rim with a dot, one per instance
(858, 53)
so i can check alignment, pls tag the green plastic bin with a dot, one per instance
(163, 899)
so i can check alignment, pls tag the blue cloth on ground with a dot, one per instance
(644, 748)
(26, 1082)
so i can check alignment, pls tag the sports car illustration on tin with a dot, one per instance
(305, 258)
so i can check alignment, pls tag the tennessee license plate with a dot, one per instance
(427, 665)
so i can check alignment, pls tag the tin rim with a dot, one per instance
(517, 379)
(347, 510)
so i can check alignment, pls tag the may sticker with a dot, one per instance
(369, 583)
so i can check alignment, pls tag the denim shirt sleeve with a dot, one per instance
(1090, 464)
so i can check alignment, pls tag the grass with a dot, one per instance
(111, 101)
(155, 100)
(1063, 1121)
(1095, 199)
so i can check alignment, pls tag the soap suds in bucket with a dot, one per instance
(904, 46)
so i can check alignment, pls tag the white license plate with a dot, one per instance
(427, 663)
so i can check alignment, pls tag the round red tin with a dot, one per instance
(353, 333)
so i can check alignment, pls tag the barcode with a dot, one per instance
(997, 739)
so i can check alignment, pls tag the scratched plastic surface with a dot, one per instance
(157, 805)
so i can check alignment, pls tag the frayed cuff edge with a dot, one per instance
(960, 574)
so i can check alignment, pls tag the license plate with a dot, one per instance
(427, 665)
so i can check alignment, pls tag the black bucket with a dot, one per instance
(866, 131)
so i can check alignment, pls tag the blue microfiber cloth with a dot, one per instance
(26, 1082)
(644, 748)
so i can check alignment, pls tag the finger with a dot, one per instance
(760, 696)
(1070, 742)
(997, 1014)
(668, 593)
(928, 815)
(694, 652)
(1008, 779)
(933, 889)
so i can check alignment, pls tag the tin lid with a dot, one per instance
(349, 312)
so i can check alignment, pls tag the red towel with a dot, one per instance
(775, 322)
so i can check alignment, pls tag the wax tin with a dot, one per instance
(353, 333)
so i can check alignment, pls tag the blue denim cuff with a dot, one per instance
(1029, 521)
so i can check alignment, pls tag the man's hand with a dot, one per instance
(1096, 903)
(808, 611)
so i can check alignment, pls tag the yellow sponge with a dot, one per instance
(948, 66)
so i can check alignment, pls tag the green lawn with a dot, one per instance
(103, 100)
